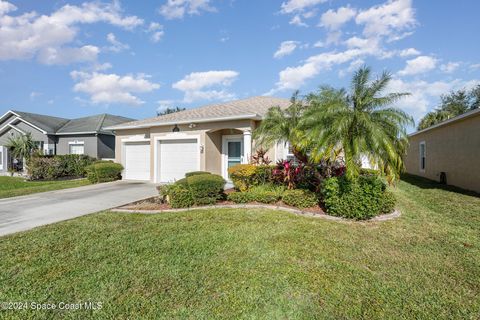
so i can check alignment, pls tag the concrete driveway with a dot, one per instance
(27, 212)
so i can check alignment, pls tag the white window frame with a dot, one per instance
(76, 142)
(424, 163)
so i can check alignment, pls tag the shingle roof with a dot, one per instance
(95, 123)
(254, 107)
(56, 125)
(47, 123)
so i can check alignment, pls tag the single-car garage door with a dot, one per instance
(177, 157)
(137, 161)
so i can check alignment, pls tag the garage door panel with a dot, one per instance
(177, 157)
(137, 161)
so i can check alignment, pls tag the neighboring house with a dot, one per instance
(60, 136)
(448, 151)
(210, 138)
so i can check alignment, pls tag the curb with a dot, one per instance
(384, 217)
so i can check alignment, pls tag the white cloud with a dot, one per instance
(156, 30)
(449, 67)
(475, 66)
(176, 9)
(286, 48)
(390, 19)
(292, 6)
(31, 35)
(333, 20)
(293, 78)
(418, 65)
(424, 95)
(297, 21)
(67, 55)
(116, 46)
(6, 7)
(111, 88)
(207, 85)
(409, 52)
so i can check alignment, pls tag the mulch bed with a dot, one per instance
(155, 204)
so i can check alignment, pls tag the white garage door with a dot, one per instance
(137, 161)
(177, 157)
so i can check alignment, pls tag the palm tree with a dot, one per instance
(433, 118)
(283, 125)
(22, 147)
(361, 123)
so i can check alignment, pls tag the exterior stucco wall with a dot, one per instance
(90, 144)
(454, 149)
(36, 134)
(209, 135)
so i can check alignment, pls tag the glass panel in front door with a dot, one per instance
(234, 153)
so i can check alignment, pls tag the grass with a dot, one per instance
(15, 186)
(256, 263)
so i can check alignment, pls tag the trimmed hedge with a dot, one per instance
(104, 172)
(195, 173)
(300, 198)
(179, 196)
(245, 176)
(263, 194)
(196, 189)
(55, 167)
(206, 188)
(359, 199)
(239, 197)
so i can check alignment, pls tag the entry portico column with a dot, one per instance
(247, 146)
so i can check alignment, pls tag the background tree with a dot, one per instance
(169, 110)
(361, 123)
(451, 105)
(283, 125)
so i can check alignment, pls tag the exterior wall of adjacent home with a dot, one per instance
(453, 148)
(37, 135)
(210, 137)
(89, 142)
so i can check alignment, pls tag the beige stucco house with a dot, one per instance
(209, 138)
(452, 147)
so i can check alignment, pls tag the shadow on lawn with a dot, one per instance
(425, 183)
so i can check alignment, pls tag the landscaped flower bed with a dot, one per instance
(285, 185)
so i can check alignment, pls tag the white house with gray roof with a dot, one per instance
(56, 135)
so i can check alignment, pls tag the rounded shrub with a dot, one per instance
(179, 196)
(242, 176)
(104, 172)
(195, 173)
(266, 193)
(360, 199)
(202, 189)
(239, 197)
(389, 201)
(300, 198)
(206, 188)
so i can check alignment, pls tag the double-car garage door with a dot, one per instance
(174, 159)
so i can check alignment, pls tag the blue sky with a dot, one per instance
(76, 58)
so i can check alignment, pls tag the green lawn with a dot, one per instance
(255, 263)
(14, 186)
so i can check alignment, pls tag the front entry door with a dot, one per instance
(233, 154)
